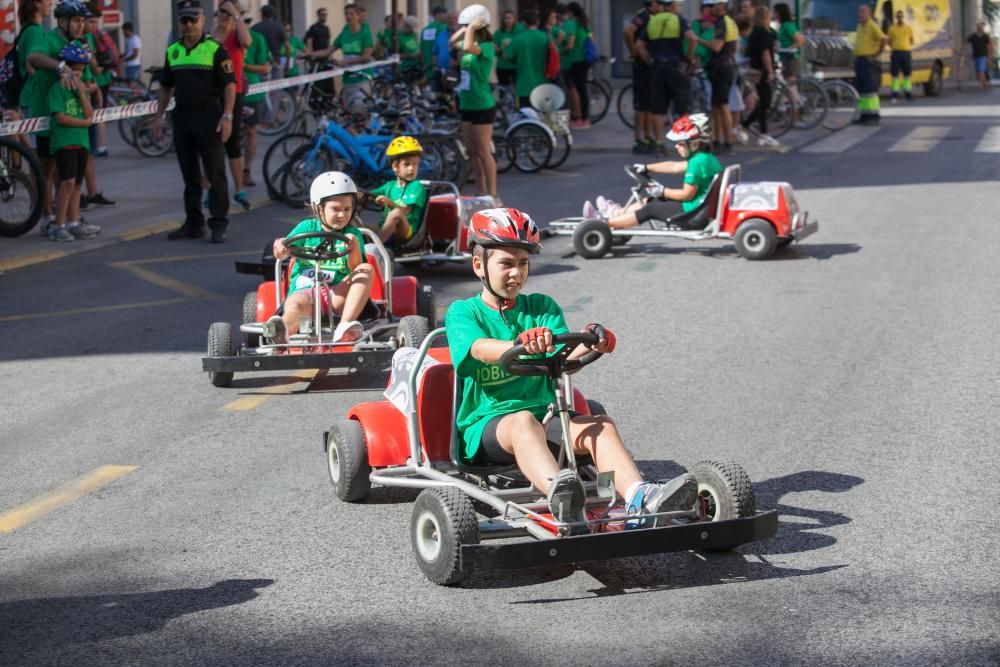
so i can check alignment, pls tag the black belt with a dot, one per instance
(195, 107)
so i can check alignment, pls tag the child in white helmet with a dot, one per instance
(347, 280)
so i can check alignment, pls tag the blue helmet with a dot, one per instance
(74, 53)
(71, 8)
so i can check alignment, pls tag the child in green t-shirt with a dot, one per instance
(69, 144)
(404, 198)
(500, 415)
(347, 280)
(699, 167)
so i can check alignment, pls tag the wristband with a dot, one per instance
(227, 116)
(61, 67)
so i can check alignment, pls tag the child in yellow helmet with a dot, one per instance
(404, 198)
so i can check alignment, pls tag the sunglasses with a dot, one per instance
(188, 19)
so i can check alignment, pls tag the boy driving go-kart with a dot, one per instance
(500, 415)
(347, 278)
(692, 135)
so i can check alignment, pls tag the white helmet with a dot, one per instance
(330, 184)
(473, 12)
(707, 3)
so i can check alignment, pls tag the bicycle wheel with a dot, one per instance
(277, 112)
(20, 185)
(842, 104)
(276, 159)
(304, 165)
(126, 126)
(503, 153)
(600, 100)
(560, 151)
(779, 116)
(626, 110)
(147, 144)
(532, 147)
(455, 167)
(811, 104)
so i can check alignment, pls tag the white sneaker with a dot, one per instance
(347, 331)
(601, 203)
(741, 135)
(588, 210)
(767, 140)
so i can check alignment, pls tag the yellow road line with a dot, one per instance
(186, 258)
(191, 291)
(264, 394)
(88, 311)
(149, 230)
(63, 495)
(28, 260)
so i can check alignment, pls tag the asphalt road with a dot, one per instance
(854, 376)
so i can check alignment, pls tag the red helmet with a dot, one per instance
(694, 126)
(505, 227)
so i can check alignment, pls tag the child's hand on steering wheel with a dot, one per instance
(606, 339)
(655, 190)
(536, 340)
(640, 169)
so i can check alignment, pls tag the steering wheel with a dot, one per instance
(555, 364)
(643, 179)
(366, 200)
(323, 252)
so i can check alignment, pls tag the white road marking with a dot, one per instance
(963, 111)
(990, 143)
(921, 139)
(842, 140)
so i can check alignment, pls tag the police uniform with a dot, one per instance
(665, 38)
(199, 77)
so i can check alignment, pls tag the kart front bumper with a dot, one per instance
(604, 546)
(364, 359)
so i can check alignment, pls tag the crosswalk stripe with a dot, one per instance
(990, 143)
(921, 139)
(953, 111)
(841, 140)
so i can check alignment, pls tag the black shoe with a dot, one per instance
(100, 200)
(184, 232)
(218, 235)
(84, 202)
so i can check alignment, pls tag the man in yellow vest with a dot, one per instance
(665, 46)
(901, 59)
(199, 73)
(869, 42)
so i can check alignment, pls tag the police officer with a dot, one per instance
(665, 46)
(199, 71)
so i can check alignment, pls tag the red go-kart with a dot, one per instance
(462, 508)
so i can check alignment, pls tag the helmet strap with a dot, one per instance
(501, 301)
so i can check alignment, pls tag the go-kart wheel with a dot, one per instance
(725, 490)
(427, 306)
(250, 317)
(413, 329)
(220, 344)
(755, 239)
(443, 520)
(592, 239)
(347, 461)
(785, 242)
(596, 408)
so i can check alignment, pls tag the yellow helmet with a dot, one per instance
(402, 146)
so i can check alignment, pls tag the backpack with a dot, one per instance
(552, 62)
(107, 51)
(10, 78)
(590, 51)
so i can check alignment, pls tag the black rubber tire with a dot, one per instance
(727, 489)
(282, 103)
(146, 144)
(503, 153)
(24, 179)
(412, 331)
(347, 461)
(592, 239)
(626, 111)
(443, 519)
(532, 147)
(755, 239)
(220, 344)
(427, 306)
(935, 84)
(560, 152)
(276, 159)
(596, 408)
(250, 317)
(298, 174)
(785, 242)
(601, 93)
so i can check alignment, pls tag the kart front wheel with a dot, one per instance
(592, 239)
(347, 461)
(725, 490)
(250, 317)
(443, 520)
(427, 306)
(413, 329)
(755, 239)
(220, 344)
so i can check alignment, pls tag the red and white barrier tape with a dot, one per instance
(39, 123)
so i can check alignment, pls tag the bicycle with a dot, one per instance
(809, 101)
(841, 97)
(20, 188)
(600, 90)
(129, 91)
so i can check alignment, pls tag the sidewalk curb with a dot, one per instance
(78, 247)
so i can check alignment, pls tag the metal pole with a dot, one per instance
(395, 35)
(798, 21)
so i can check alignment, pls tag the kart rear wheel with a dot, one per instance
(220, 344)
(443, 520)
(725, 490)
(250, 317)
(592, 239)
(347, 461)
(413, 329)
(596, 408)
(755, 239)
(427, 306)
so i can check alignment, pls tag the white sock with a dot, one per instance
(73, 224)
(632, 490)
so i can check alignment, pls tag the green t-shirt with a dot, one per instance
(332, 272)
(104, 78)
(707, 32)
(428, 38)
(502, 39)
(474, 91)
(32, 39)
(296, 47)
(527, 53)
(486, 390)
(701, 169)
(413, 194)
(60, 136)
(786, 38)
(37, 97)
(354, 44)
(258, 53)
(409, 44)
(567, 30)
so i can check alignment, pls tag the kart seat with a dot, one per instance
(423, 240)
(710, 208)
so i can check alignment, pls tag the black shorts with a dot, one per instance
(657, 209)
(505, 77)
(490, 450)
(479, 116)
(641, 82)
(71, 162)
(721, 77)
(234, 144)
(669, 86)
(42, 147)
(252, 119)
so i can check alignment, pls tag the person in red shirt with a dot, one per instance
(234, 35)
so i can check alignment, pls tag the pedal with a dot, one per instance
(561, 505)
